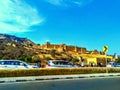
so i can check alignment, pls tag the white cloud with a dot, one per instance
(69, 2)
(17, 16)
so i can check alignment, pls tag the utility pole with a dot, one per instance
(106, 62)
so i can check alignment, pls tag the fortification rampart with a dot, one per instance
(63, 47)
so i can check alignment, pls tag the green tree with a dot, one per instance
(48, 58)
(28, 59)
(52, 53)
(75, 59)
(38, 44)
(118, 60)
(36, 59)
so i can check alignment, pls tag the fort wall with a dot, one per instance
(70, 48)
(63, 47)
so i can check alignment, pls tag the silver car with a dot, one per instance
(60, 64)
(15, 64)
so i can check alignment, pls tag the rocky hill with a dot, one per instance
(12, 47)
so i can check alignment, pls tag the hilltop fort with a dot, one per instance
(92, 56)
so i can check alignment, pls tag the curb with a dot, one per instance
(56, 77)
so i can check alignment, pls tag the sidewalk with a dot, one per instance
(56, 77)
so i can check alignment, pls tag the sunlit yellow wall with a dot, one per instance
(91, 60)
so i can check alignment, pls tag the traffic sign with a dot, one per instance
(105, 49)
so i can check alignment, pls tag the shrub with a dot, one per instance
(75, 59)
(118, 60)
(52, 53)
(60, 71)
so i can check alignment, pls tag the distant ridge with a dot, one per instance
(12, 38)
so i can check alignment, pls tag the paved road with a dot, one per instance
(81, 84)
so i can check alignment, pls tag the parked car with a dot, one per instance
(15, 64)
(60, 64)
(117, 65)
(113, 64)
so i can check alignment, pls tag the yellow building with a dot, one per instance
(94, 59)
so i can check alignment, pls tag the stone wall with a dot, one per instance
(63, 47)
(43, 47)
(81, 50)
(70, 48)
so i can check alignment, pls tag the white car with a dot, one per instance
(60, 64)
(15, 64)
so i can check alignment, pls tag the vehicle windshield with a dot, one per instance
(9, 62)
(62, 62)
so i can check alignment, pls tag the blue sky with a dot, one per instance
(85, 23)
